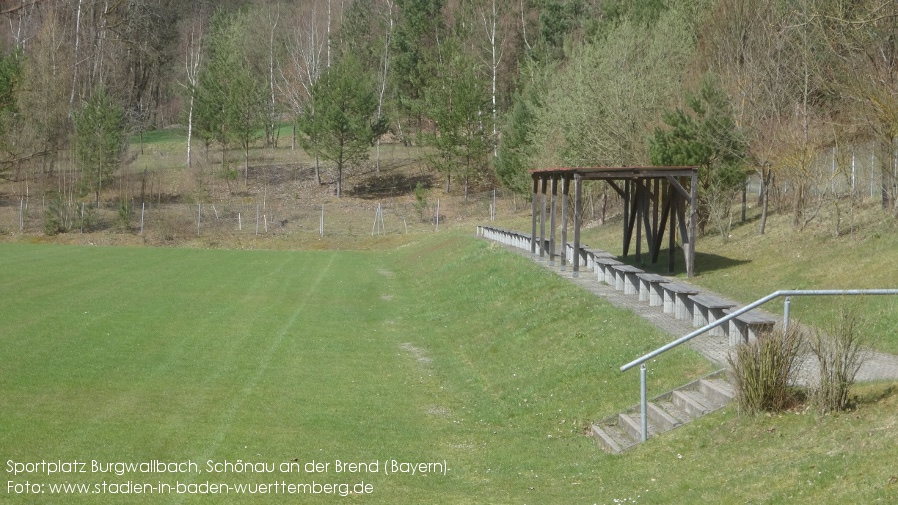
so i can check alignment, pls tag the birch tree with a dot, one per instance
(192, 59)
(490, 18)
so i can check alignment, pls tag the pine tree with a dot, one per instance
(100, 141)
(342, 123)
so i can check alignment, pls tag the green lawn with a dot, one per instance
(444, 350)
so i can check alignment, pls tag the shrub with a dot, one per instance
(764, 369)
(59, 215)
(125, 210)
(840, 354)
(421, 201)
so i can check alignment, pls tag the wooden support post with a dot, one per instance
(672, 235)
(533, 215)
(542, 219)
(639, 195)
(646, 221)
(578, 215)
(662, 223)
(565, 190)
(625, 240)
(652, 208)
(552, 220)
(631, 221)
(693, 217)
(685, 236)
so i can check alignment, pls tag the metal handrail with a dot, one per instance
(788, 293)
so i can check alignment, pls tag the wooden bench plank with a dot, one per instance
(706, 309)
(603, 270)
(625, 278)
(676, 299)
(747, 327)
(650, 288)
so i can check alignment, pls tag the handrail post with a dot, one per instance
(787, 305)
(643, 402)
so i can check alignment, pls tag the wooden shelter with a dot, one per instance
(653, 197)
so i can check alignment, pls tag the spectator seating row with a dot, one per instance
(679, 300)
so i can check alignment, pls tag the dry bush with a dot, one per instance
(764, 369)
(840, 354)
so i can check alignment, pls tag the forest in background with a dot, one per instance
(786, 93)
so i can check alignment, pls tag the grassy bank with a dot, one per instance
(442, 350)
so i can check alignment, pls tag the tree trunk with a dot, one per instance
(339, 180)
(245, 166)
(77, 57)
(189, 130)
(887, 175)
(766, 179)
(798, 205)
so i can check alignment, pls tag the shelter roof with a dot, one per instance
(600, 173)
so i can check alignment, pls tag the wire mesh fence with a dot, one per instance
(857, 171)
(250, 216)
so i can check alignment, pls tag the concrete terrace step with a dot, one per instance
(612, 438)
(666, 412)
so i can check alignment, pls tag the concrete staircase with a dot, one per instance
(622, 431)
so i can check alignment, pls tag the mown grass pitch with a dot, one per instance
(448, 357)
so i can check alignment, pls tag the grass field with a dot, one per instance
(440, 350)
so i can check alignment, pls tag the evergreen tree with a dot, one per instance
(515, 148)
(455, 100)
(705, 136)
(342, 122)
(418, 33)
(230, 105)
(10, 78)
(100, 141)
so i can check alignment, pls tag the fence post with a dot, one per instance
(143, 208)
(438, 215)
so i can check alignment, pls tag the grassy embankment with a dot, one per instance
(749, 266)
(445, 349)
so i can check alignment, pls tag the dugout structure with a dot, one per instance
(655, 201)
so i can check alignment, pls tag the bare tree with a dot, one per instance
(304, 45)
(77, 57)
(273, 23)
(490, 18)
(193, 58)
(383, 76)
(864, 39)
